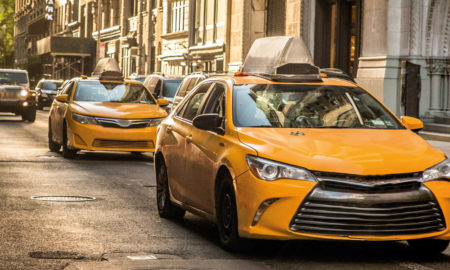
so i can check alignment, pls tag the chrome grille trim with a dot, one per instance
(381, 214)
(123, 123)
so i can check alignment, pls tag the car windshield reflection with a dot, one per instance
(96, 91)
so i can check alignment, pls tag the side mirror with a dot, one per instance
(412, 123)
(62, 98)
(163, 102)
(209, 121)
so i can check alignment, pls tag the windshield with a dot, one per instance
(97, 91)
(13, 77)
(170, 88)
(51, 85)
(308, 106)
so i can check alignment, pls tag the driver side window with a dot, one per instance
(192, 106)
(67, 90)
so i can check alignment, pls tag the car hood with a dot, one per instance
(118, 110)
(350, 151)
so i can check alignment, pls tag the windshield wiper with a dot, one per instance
(260, 126)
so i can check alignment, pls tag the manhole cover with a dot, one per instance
(63, 198)
(56, 255)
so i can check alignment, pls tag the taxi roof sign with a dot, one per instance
(108, 69)
(281, 58)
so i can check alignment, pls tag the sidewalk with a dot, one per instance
(441, 145)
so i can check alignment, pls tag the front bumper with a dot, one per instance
(99, 138)
(278, 219)
(17, 105)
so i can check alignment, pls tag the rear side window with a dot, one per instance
(192, 106)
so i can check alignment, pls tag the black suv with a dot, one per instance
(15, 94)
(46, 91)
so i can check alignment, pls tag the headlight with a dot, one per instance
(270, 170)
(84, 119)
(23, 93)
(441, 170)
(155, 122)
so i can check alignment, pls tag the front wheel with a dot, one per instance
(428, 246)
(66, 151)
(53, 146)
(165, 207)
(227, 221)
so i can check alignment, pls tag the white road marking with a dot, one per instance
(142, 257)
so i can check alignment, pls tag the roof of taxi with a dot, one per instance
(261, 80)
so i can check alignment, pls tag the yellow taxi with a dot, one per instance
(104, 113)
(281, 153)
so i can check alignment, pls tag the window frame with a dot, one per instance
(182, 107)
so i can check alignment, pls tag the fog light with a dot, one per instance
(262, 208)
(25, 104)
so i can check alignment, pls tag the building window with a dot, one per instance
(177, 16)
(210, 16)
(275, 17)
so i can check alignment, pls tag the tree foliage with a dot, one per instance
(6, 32)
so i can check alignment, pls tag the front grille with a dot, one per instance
(381, 214)
(123, 123)
(123, 144)
(376, 188)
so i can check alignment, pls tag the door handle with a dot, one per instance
(189, 139)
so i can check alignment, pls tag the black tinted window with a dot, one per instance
(170, 87)
(50, 85)
(13, 77)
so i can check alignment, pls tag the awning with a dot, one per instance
(69, 46)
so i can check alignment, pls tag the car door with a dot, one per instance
(58, 113)
(203, 154)
(179, 132)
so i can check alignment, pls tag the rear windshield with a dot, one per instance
(96, 91)
(170, 88)
(13, 77)
(308, 106)
(51, 85)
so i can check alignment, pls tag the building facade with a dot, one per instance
(397, 49)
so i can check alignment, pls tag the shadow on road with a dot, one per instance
(315, 251)
(113, 156)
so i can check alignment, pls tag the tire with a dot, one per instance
(227, 221)
(53, 146)
(166, 208)
(66, 152)
(29, 115)
(428, 247)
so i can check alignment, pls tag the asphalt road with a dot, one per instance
(121, 229)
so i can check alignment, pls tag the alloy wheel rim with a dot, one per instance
(227, 213)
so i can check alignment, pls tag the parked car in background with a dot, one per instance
(46, 91)
(105, 113)
(163, 87)
(15, 94)
(336, 73)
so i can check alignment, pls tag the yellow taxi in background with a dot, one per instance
(104, 113)
(285, 154)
